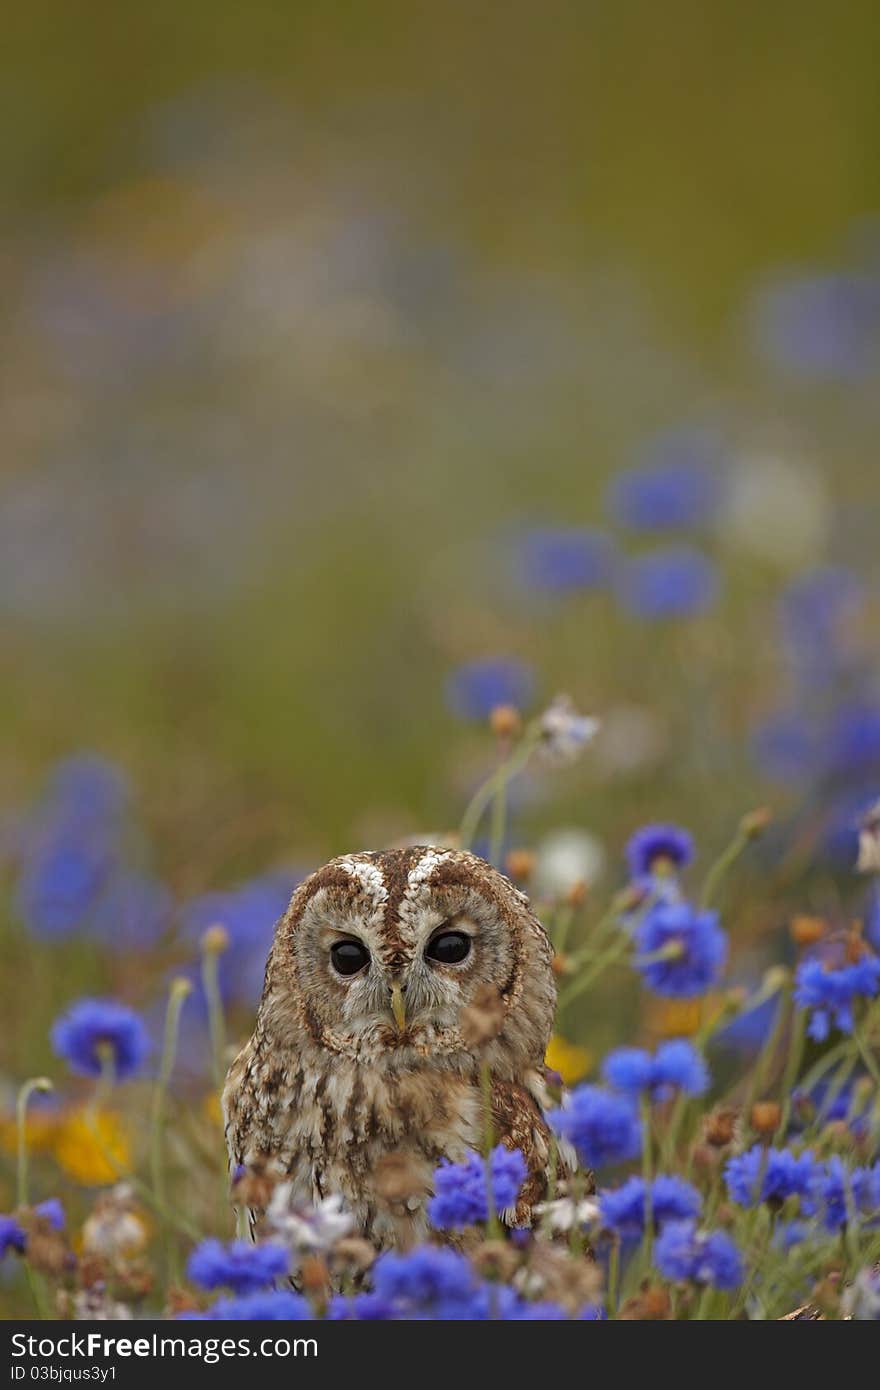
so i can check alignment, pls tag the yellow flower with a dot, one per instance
(211, 1108)
(675, 1018)
(93, 1149)
(40, 1131)
(572, 1062)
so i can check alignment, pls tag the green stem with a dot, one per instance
(719, 870)
(768, 1052)
(792, 1066)
(216, 1018)
(601, 963)
(867, 1056)
(493, 1225)
(178, 992)
(499, 778)
(498, 822)
(36, 1083)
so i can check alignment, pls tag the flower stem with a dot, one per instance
(214, 942)
(496, 782)
(792, 1066)
(36, 1083)
(493, 1225)
(179, 990)
(720, 869)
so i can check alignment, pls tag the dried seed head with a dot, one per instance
(719, 1126)
(520, 864)
(652, 1304)
(353, 1254)
(215, 939)
(497, 1260)
(398, 1177)
(806, 931)
(314, 1275)
(577, 894)
(505, 721)
(764, 1117)
(754, 823)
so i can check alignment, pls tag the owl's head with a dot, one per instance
(381, 955)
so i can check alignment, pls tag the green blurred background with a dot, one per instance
(308, 308)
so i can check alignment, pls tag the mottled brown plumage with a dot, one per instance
(331, 1083)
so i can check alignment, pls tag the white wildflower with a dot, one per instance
(565, 733)
(564, 1213)
(869, 842)
(307, 1228)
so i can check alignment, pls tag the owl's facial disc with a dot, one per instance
(396, 976)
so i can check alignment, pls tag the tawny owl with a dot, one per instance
(360, 1050)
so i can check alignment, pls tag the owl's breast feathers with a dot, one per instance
(329, 1131)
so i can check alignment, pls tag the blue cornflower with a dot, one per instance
(270, 1305)
(675, 582)
(840, 1195)
(521, 1310)
(62, 878)
(668, 844)
(249, 913)
(133, 912)
(623, 1208)
(815, 606)
(676, 1066)
(770, 1175)
(565, 559)
(819, 327)
(830, 994)
(603, 1127)
(683, 1252)
(423, 1279)
(835, 1195)
(52, 1211)
(676, 488)
(785, 747)
(461, 1196)
(238, 1265)
(694, 947)
(829, 1103)
(852, 741)
(12, 1237)
(361, 1307)
(86, 789)
(89, 1026)
(476, 688)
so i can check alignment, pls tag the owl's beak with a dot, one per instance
(398, 1007)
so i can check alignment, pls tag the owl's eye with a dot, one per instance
(449, 947)
(349, 957)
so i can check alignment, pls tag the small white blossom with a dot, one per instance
(869, 842)
(307, 1228)
(565, 733)
(564, 1213)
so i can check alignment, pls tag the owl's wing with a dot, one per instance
(519, 1123)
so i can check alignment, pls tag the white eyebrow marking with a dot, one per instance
(370, 878)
